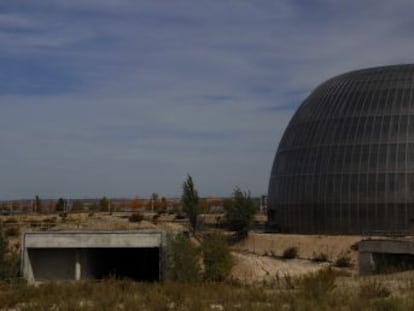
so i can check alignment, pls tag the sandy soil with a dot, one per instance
(308, 245)
(250, 268)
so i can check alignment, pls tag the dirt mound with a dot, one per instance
(250, 268)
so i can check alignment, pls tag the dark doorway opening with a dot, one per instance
(387, 262)
(139, 264)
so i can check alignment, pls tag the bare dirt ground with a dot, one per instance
(308, 246)
(250, 268)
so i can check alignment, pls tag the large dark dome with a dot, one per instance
(345, 163)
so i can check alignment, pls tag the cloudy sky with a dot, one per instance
(125, 97)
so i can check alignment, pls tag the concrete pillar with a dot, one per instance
(366, 263)
(78, 267)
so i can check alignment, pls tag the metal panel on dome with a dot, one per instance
(345, 163)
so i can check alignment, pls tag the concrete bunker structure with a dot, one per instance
(65, 256)
(385, 255)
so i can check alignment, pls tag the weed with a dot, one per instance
(321, 257)
(11, 220)
(12, 231)
(343, 261)
(290, 253)
(136, 217)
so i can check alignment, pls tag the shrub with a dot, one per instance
(136, 217)
(216, 257)
(182, 260)
(290, 253)
(12, 231)
(63, 215)
(50, 220)
(11, 220)
(180, 216)
(239, 213)
(355, 246)
(9, 262)
(155, 218)
(343, 261)
(321, 257)
(372, 290)
(35, 223)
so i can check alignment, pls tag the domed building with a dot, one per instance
(345, 164)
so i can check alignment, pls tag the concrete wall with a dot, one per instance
(72, 255)
(60, 264)
(369, 249)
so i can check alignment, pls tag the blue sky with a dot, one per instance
(125, 97)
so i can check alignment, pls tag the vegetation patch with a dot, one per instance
(136, 217)
(343, 261)
(290, 253)
(217, 258)
(320, 257)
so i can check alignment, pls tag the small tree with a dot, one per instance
(163, 205)
(104, 204)
(239, 213)
(153, 203)
(189, 201)
(3, 250)
(9, 261)
(60, 205)
(182, 260)
(216, 257)
(38, 204)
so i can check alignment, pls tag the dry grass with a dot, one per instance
(319, 291)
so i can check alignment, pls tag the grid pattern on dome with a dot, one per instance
(345, 163)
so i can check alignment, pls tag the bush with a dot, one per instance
(239, 213)
(50, 220)
(290, 253)
(63, 215)
(9, 262)
(355, 246)
(12, 231)
(182, 260)
(321, 257)
(136, 217)
(180, 216)
(216, 257)
(11, 220)
(155, 218)
(343, 261)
